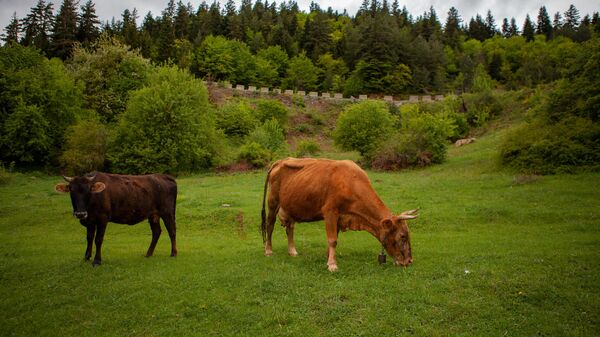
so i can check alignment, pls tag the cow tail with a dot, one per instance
(263, 225)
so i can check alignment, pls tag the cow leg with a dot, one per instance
(169, 221)
(154, 221)
(331, 221)
(270, 225)
(100, 229)
(288, 223)
(91, 231)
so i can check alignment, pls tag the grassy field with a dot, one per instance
(495, 255)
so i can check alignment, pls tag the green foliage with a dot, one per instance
(421, 139)
(39, 100)
(363, 126)
(578, 93)
(267, 109)
(168, 126)
(236, 119)
(302, 74)
(307, 148)
(568, 146)
(109, 71)
(26, 134)
(277, 57)
(254, 154)
(85, 148)
(270, 136)
(218, 58)
(481, 107)
(563, 133)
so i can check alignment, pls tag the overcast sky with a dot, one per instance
(107, 9)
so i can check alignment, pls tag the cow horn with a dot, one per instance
(408, 215)
(67, 179)
(91, 177)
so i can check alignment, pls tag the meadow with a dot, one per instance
(495, 254)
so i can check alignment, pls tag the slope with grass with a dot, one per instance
(495, 254)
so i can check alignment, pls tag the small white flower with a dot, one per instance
(467, 271)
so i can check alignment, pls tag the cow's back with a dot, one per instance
(129, 199)
(303, 187)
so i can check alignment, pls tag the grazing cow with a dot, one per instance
(339, 192)
(101, 198)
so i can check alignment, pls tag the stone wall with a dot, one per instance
(334, 96)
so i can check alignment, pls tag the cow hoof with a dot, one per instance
(293, 253)
(173, 254)
(268, 252)
(96, 263)
(332, 267)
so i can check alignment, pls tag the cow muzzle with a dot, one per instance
(80, 215)
(403, 263)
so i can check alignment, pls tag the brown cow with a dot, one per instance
(339, 192)
(101, 198)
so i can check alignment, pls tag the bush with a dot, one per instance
(168, 126)
(85, 149)
(236, 119)
(307, 147)
(538, 147)
(270, 136)
(109, 72)
(421, 140)
(267, 109)
(38, 101)
(363, 126)
(255, 154)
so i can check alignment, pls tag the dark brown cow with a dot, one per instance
(339, 192)
(101, 198)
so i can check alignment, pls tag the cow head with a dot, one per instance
(80, 189)
(395, 237)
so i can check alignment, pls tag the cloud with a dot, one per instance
(107, 9)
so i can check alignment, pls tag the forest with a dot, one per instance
(75, 90)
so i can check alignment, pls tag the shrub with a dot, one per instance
(363, 126)
(267, 109)
(255, 154)
(567, 146)
(85, 149)
(109, 72)
(168, 126)
(307, 147)
(421, 140)
(38, 101)
(270, 136)
(236, 119)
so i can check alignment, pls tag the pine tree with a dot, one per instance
(528, 29)
(129, 29)
(477, 28)
(37, 25)
(571, 23)
(513, 30)
(12, 31)
(87, 29)
(64, 31)
(182, 20)
(452, 30)
(544, 26)
(490, 25)
(505, 30)
(166, 36)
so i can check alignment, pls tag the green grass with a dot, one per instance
(494, 256)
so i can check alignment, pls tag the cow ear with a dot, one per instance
(387, 223)
(61, 188)
(98, 187)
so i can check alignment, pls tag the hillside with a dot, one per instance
(494, 253)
